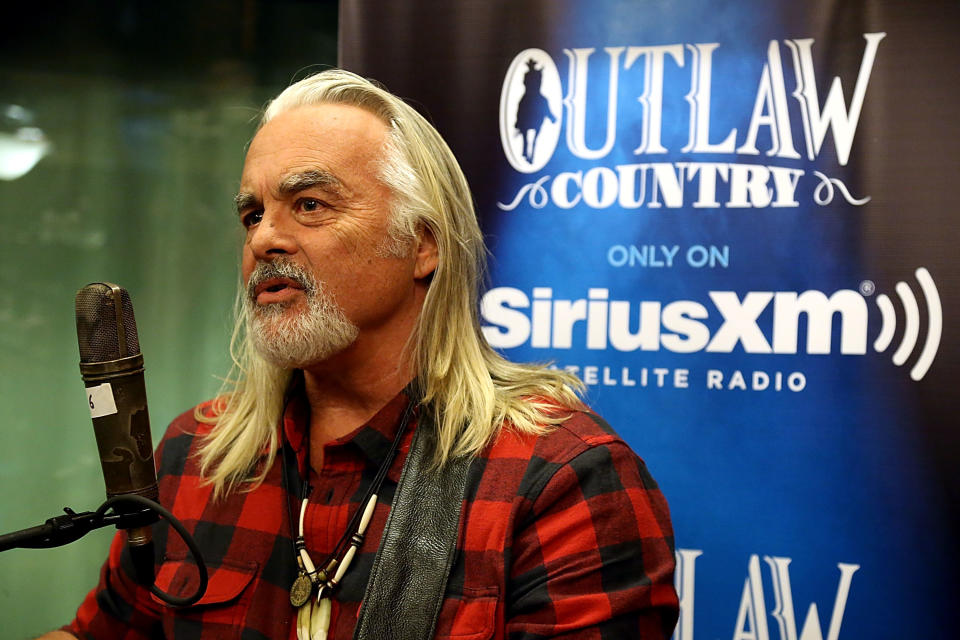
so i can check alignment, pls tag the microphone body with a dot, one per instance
(112, 369)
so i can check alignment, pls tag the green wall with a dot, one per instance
(147, 123)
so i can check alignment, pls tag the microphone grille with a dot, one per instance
(106, 328)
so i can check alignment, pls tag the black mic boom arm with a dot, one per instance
(67, 528)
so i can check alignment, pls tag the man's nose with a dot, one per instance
(273, 236)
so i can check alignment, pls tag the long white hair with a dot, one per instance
(474, 391)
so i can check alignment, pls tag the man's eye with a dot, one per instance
(310, 204)
(251, 218)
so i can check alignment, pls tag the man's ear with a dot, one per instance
(427, 255)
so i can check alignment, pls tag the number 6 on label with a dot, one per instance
(100, 399)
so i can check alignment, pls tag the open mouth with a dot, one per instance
(275, 290)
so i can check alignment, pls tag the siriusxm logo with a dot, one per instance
(512, 319)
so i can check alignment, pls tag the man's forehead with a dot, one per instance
(320, 145)
(352, 127)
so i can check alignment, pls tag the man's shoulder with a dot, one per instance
(584, 429)
(580, 459)
(524, 464)
(577, 430)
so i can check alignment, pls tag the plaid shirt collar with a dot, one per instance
(368, 443)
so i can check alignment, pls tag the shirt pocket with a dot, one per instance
(469, 617)
(223, 606)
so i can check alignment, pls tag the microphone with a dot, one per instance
(112, 369)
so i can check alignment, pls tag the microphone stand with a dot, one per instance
(72, 526)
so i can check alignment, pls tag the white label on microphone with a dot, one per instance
(100, 399)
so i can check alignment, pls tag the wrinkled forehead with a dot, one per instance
(342, 140)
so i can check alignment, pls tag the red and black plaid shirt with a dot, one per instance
(563, 535)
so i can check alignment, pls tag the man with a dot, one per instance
(357, 327)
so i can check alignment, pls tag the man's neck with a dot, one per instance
(343, 398)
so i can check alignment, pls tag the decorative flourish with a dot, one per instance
(537, 196)
(827, 184)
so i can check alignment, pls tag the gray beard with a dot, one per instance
(293, 340)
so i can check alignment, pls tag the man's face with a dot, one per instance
(317, 246)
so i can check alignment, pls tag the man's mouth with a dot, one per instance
(276, 290)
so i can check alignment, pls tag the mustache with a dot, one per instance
(280, 268)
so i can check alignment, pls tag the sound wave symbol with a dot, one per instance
(911, 329)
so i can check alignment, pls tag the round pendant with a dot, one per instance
(300, 590)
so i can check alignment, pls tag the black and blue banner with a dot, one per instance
(737, 222)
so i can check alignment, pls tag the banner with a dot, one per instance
(736, 222)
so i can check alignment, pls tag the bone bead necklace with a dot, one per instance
(313, 588)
